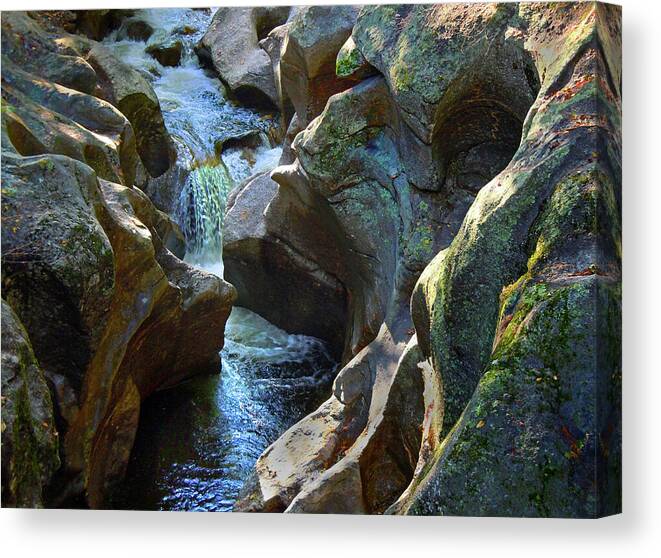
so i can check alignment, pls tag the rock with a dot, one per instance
(37, 51)
(185, 30)
(252, 241)
(307, 65)
(29, 438)
(57, 261)
(167, 54)
(41, 117)
(442, 57)
(127, 89)
(49, 88)
(96, 24)
(90, 267)
(231, 47)
(350, 62)
(272, 44)
(136, 30)
(87, 268)
(522, 437)
(426, 178)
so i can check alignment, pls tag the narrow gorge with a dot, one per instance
(322, 259)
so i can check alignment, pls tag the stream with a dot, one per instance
(197, 443)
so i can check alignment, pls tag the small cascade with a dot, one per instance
(201, 120)
(201, 210)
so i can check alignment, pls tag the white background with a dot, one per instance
(634, 533)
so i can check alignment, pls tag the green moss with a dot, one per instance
(348, 62)
(34, 452)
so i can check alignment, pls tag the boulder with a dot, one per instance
(231, 47)
(307, 64)
(514, 313)
(61, 90)
(272, 44)
(167, 54)
(42, 117)
(127, 90)
(459, 80)
(29, 437)
(40, 52)
(424, 174)
(294, 290)
(135, 30)
(97, 24)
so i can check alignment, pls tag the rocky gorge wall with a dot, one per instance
(97, 303)
(448, 216)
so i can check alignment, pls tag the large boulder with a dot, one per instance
(43, 117)
(66, 94)
(295, 286)
(307, 63)
(125, 88)
(29, 438)
(39, 52)
(231, 47)
(516, 315)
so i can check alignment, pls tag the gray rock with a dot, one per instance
(29, 438)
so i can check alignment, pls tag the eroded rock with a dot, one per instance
(29, 438)
(307, 64)
(424, 165)
(231, 46)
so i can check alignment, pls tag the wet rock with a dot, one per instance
(231, 47)
(185, 30)
(136, 30)
(96, 24)
(29, 438)
(127, 89)
(167, 54)
(254, 227)
(272, 44)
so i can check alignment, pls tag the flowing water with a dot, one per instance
(198, 442)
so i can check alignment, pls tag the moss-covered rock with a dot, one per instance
(86, 266)
(488, 151)
(29, 438)
(518, 312)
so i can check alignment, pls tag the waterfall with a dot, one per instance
(201, 209)
(200, 120)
